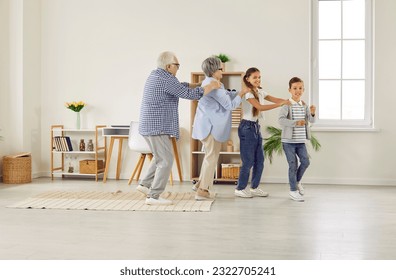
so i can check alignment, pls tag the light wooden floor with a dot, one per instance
(335, 222)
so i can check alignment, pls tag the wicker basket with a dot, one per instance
(17, 169)
(230, 171)
(88, 166)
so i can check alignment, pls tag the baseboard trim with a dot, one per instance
(335, 181)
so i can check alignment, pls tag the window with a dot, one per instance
(342, 63)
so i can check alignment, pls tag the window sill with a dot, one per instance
(344, 129)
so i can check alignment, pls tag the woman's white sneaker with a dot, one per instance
(296, 196)
(258, 192)
(300, 188)
(243, 193)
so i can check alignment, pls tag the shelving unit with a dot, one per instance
(231, 80)
(58, 157)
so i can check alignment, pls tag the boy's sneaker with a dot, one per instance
(159, 201)
(143, 189)
(300, 188)
(243, 193)
(258, 192)
(202, 194)
(296, 196)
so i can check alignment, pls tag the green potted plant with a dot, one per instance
(224, 58)
(273, 143)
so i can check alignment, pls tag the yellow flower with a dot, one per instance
(75, 106)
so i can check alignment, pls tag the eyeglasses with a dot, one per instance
(176, 64)
(221, 69)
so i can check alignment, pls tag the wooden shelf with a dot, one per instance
(221, 153)
(82, 130)
(217, 180)
(62, 173)
(58, 167)
(74, 152)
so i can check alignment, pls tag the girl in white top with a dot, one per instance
(250, 139)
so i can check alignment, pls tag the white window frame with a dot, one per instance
(368, 121)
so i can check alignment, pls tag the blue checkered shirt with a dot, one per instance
(159, 112)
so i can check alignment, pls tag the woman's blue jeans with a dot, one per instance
(296, 152)
(252, 155)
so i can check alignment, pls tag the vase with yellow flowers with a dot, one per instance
(76, 107)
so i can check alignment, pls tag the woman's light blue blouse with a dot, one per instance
(213, 115)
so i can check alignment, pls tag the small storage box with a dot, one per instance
(17, 169)
(87, 166)
(230, 170)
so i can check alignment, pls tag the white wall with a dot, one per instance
(32, 105)
(101, 51)
(4, 72)
(20, 103)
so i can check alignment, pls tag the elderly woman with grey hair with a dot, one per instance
(212, 123)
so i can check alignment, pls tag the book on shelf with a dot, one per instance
(236, 116)
(69, 144)
(58, 146)
(62, 144)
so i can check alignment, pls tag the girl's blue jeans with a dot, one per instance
(295, 153)
(252, 155)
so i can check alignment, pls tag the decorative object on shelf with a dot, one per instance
(87, 166)
(230, 170)
(82, 145)
(68, 162)
(78, 121)
(224, 58)
(76, 107)
(90, 146)
(230, 146)
(274, 144)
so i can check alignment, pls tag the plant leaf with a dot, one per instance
(273, 144)
(315, 143)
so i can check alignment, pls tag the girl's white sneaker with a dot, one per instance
(243, 193)
(296, 196)
(258, 192)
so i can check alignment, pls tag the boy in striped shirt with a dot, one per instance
(295, 120)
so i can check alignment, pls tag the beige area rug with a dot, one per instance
(115, 201)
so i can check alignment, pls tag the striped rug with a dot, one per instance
(115, 201)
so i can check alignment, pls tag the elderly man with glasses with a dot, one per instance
(159, 120)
